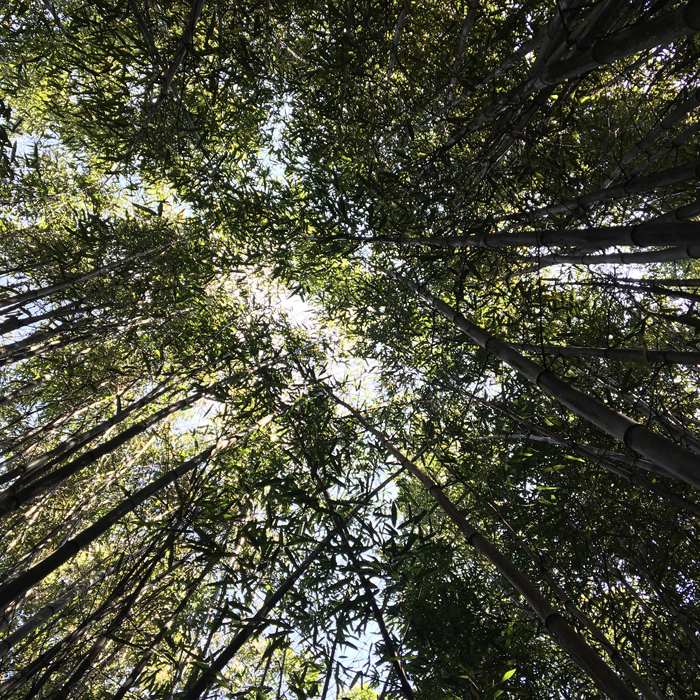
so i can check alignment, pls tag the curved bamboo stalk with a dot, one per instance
(48, 611)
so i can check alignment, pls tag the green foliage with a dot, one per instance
(202, 209)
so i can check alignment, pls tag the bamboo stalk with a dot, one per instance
(639, 185)
(669, 357)
(584, 655)
(60, 556)
(642, 235)
(656, 32)
(674, 459)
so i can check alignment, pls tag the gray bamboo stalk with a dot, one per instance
(99, 644)
(70, 521)
(672, 281)
(34, 294)
(379, 619)
(660, 31)
(644, 258)
(28, 351)
(403, 13)
(331, 658)
(462, 46)
(667, 421)
(684, 213)
(632, 676)
(15, 394)
(642, 235)
(598, 457)
(668, 122)
(113, 606)
(649, 611)
(669, 357)
(582, 653)
(581, 37)
(656, 32)
(675, 459)
(635, 186)
(521, 51)
(13, 497)
(16, 495)
(644, 464)
(636, 286)
(168, 77)
(27, 580)
(23, 445)
(555, 39)
(596, 451)
(33, 467)
(199, 686)
(61, 647)
(369, 593)
(676, 142)
(165, 629)
(36, 341)
(15, 323)
(686, 623)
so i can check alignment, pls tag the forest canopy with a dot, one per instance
(350, 349)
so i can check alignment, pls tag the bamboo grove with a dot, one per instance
(349, 349)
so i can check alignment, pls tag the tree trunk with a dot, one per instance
(369, 594)
(594, 457)
(97, 647)
(683, 213)
(165, 629)
(63, 646)
(15, 323)
(642, 235)
(462, 46)
(643, 258)
(27, 351)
